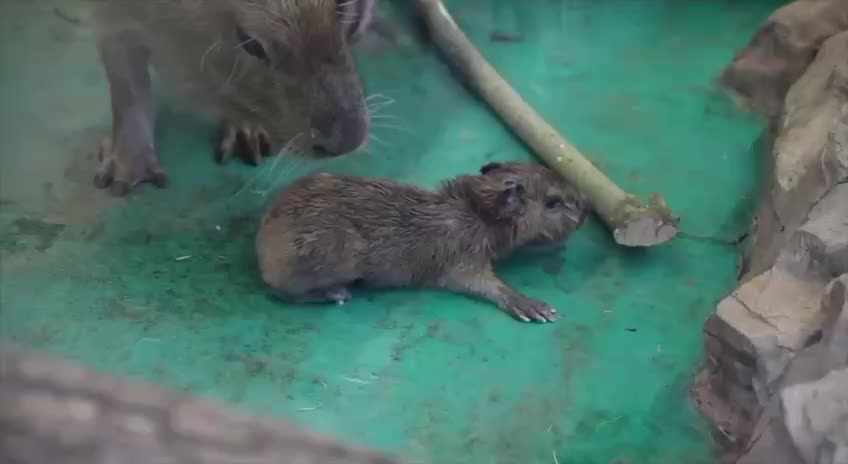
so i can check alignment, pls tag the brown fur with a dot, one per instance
(326, 232)
(193, 43)
(276, 69)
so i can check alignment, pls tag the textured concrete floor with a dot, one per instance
(434, 376)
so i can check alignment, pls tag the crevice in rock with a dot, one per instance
(757, 316)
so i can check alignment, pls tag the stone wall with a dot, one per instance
(776, 379)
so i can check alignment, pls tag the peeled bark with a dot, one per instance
(631, 222)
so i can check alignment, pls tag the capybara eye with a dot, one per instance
(554, 201)
(251, 46)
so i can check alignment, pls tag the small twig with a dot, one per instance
(608, 421)
(556, 461)
(723, 241)
(182, 258)
(504, 37)
(356, 380)
(146, 340)
(317, 406)
(66, 17)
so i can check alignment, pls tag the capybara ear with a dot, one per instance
(489, 167)
(512, 200)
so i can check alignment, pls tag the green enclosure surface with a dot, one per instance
(163, 285)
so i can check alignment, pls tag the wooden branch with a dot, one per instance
(53, 411)
(632, 223)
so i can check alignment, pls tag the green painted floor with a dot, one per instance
(434, 376)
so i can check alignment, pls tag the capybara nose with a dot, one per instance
(337, 134)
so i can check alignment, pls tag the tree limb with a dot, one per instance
(53, 411)
(631, 223)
